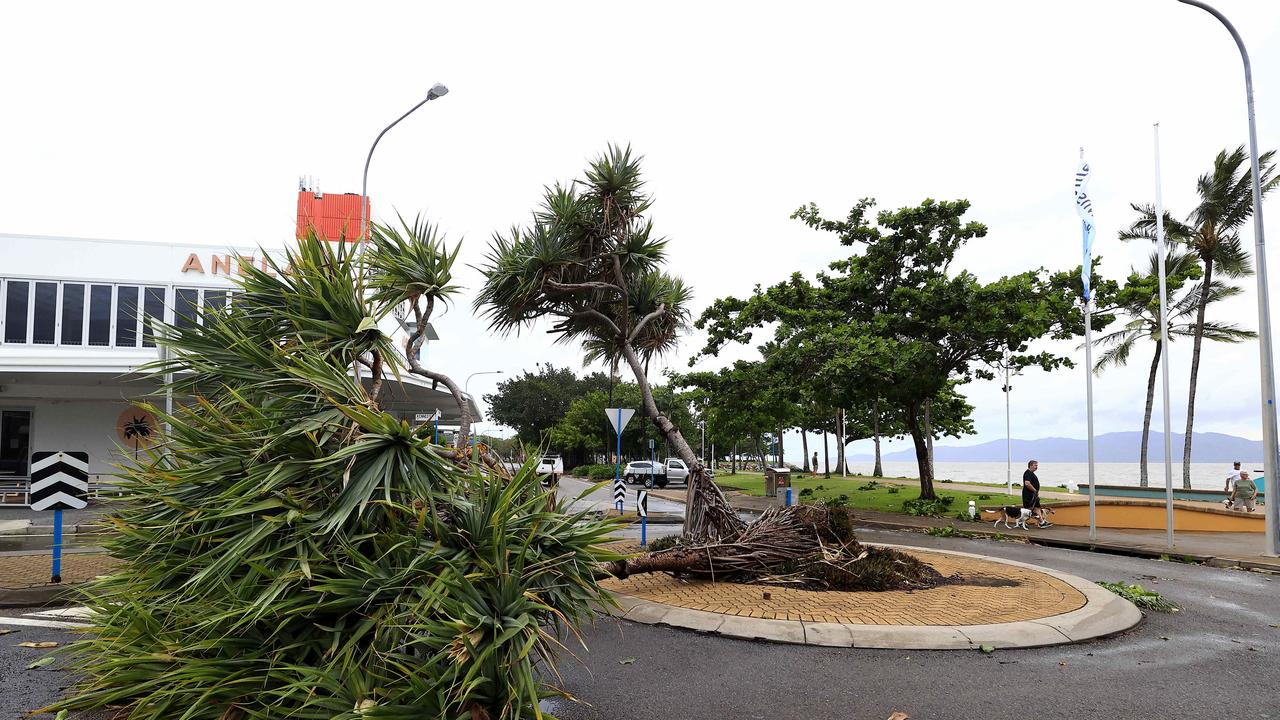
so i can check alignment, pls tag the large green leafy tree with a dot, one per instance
(1139, 299)
(591, 264)
(1212, 232)
(896, 322)
(533, 402)
(291, 551)
(582, 431)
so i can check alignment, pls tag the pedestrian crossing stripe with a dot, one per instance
(59, 480)
(642, 502)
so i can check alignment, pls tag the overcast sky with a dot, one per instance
(184, 122)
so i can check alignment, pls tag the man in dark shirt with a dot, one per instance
(1031, 493)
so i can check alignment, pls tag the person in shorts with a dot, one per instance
(1232, 477)
(1244, 493)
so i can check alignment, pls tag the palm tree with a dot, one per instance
(1140, 299)
(591, 263)
(1212, 232)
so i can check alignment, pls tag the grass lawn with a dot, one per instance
(880, 497)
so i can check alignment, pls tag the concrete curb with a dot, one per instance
(1092, 546)
(38, 595)
(1104, 614)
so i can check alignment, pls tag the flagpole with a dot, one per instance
(1161, 251)
(1087, 272)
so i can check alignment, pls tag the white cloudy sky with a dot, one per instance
(173, 121)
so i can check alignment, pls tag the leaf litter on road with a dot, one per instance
(41, 662)
(627, 661)
(46, 644)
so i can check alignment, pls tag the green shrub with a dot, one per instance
(1143, 598)
(869, 486)
(948, 531)
(595, 472)
(920, 507)
(806, 492)
(984, 496)
(893, 490)
(291, 551)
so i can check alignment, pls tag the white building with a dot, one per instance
(73, 334)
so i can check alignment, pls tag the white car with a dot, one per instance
(656, 474)
(552, 467)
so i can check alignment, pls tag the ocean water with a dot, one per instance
(1204, 476)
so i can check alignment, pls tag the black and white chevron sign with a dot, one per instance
(59, 480)
(642, 502)
(619, 492)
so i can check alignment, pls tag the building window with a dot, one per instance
(100, 315)
(184, 307)
(153, 312)
(127, 316)
(215, 301)
(15, 442)
(15, 311)
(72, 314)
(45, 316)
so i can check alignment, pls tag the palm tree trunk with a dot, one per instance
(782, 460)
(804, 443)
(1195, 372)
(733, 463)
(707, 513)
(922, 453)
(1146, 418)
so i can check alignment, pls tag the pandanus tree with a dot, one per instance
(413, 265)
(591, 264)
(292, 551)
(1139, 299)
(1212, 232)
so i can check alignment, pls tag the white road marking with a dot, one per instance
(30, 622)
(71, 612)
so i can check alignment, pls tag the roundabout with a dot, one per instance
(988, 602)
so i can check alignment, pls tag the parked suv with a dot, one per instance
(656, 474)
(551, 467)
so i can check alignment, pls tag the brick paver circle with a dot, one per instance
(1012, 593)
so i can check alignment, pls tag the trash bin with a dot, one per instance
(776, 481)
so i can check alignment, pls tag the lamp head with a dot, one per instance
(436, 91)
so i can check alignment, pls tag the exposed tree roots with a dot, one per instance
(805, 545)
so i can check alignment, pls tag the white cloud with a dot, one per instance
(160, 121)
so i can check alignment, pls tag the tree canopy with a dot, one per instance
(534, 401)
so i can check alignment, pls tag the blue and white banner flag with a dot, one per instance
(1084, 207)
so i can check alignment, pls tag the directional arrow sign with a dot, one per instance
(616, 413)
(59, 480)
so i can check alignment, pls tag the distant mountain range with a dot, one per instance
(1111, 447)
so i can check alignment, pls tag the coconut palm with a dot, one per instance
(591, 264)
(1212, 232)
(1140, 300)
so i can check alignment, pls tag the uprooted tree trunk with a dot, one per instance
(412, 347)
(707, 512)
(805, 545)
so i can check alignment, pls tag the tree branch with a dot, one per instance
(593, 314)
(662, 308)
(573, 287)
(413, 346)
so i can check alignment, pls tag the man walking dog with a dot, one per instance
(1031, 494)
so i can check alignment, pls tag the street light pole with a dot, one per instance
(1271, 466)
(436, 91)
(466, 386)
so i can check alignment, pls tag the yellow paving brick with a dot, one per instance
(1033, 595)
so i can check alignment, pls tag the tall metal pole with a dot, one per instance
(1008, 428)
(1087, 269)
(1271, 463)
(436, 91)
(1161, 251)
(1088, 374)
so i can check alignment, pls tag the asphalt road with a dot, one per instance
(1221, 659)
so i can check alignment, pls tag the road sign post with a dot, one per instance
(59, 480)
(618, 418)
(642, 507)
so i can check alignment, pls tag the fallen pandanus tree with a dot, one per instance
(810, 546)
